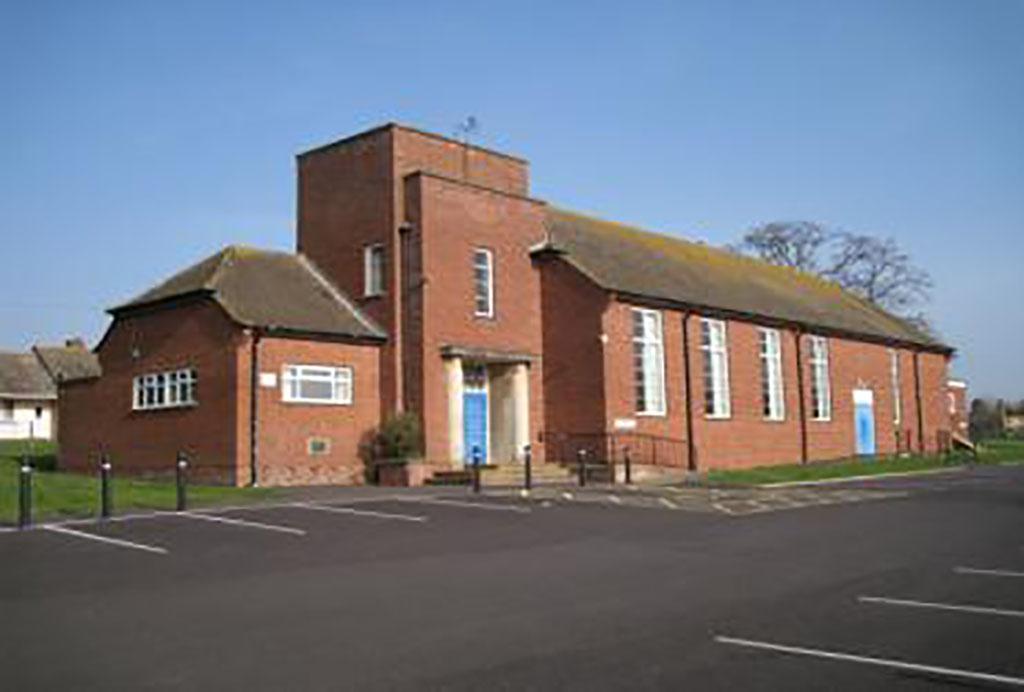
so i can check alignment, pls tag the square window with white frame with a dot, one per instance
(714, 345)
(373, 270)
(821, 391)
(772, 390)
(317, 384)
(648, 362)
(483, 283)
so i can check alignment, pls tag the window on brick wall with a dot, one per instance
(483, 283)
(821, 395)
(897, 398)
(714, 345)
(373, 270)
(772, 392)
(316, 384)
(648, 362)
(160, 390)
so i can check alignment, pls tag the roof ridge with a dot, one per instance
(336, 293)
(713, 249)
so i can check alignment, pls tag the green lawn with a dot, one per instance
(991, 452)
(56, 494)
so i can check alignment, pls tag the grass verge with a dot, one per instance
(989, 452)
(57, 494)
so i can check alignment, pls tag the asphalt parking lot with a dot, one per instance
(920, 588)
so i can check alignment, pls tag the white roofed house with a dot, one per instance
(28, 398)
(28, 387)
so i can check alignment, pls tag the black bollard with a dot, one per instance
(25, 495)
(106, 495)
(581, 466)
(527, 467)
(629, 465)
(181, 476)
(476, 469)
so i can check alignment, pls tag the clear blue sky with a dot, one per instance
(138, 137)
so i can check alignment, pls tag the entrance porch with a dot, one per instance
(488, 406)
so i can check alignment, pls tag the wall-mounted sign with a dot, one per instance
(624, 424)
(268, 379)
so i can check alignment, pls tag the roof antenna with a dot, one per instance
(463, 132)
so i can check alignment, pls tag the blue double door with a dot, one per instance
(474, 426)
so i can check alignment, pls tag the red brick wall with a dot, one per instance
(98, 413)
(285, 428)
(746, 438)
(350, 195)
(572, 309)
(453, 220)
(346, 202)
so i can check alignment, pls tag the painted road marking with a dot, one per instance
(980, 610)
(358, 512)
(665, 502)
(461, 503)
(104, 539)
(871, 661)
(988, 572)
(241, 522)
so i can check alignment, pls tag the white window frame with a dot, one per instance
(821, 387)
(895, 381)
(483, 289)
(163, 390)
(341, 379)
(648, 362)
(373, 270)
(772, 381)
(716, 368)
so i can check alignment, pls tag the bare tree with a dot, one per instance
(874, 268)
(796, 244)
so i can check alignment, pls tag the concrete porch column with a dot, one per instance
(453, 377)
(521, 407)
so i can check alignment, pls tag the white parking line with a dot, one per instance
(104, 539)
(461, 503)
(241, 522)
(980, 610)
(871, 661)
(359, 512)
(988, 572)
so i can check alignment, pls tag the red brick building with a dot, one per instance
(428, 280)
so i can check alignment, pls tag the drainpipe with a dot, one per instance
(800, 391)
(254, 370)
(691, 449)
(917, 400)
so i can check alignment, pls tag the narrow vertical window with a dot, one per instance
(772, 392)
(648, 362)
(483, 282)
(897, 398)
(821, 395)
(373, 270)
(716, 369)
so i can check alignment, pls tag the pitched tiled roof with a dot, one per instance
(262, 288)
(68, 363)
(632, 261)
(23, 377)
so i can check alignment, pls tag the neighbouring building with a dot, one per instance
(28, 387)
(959, 409)
(428, 280)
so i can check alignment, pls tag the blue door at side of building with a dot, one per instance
(474, 425)
(864, 421)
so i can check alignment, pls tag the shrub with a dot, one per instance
(399, 437)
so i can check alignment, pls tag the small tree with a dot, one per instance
(399, 437)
